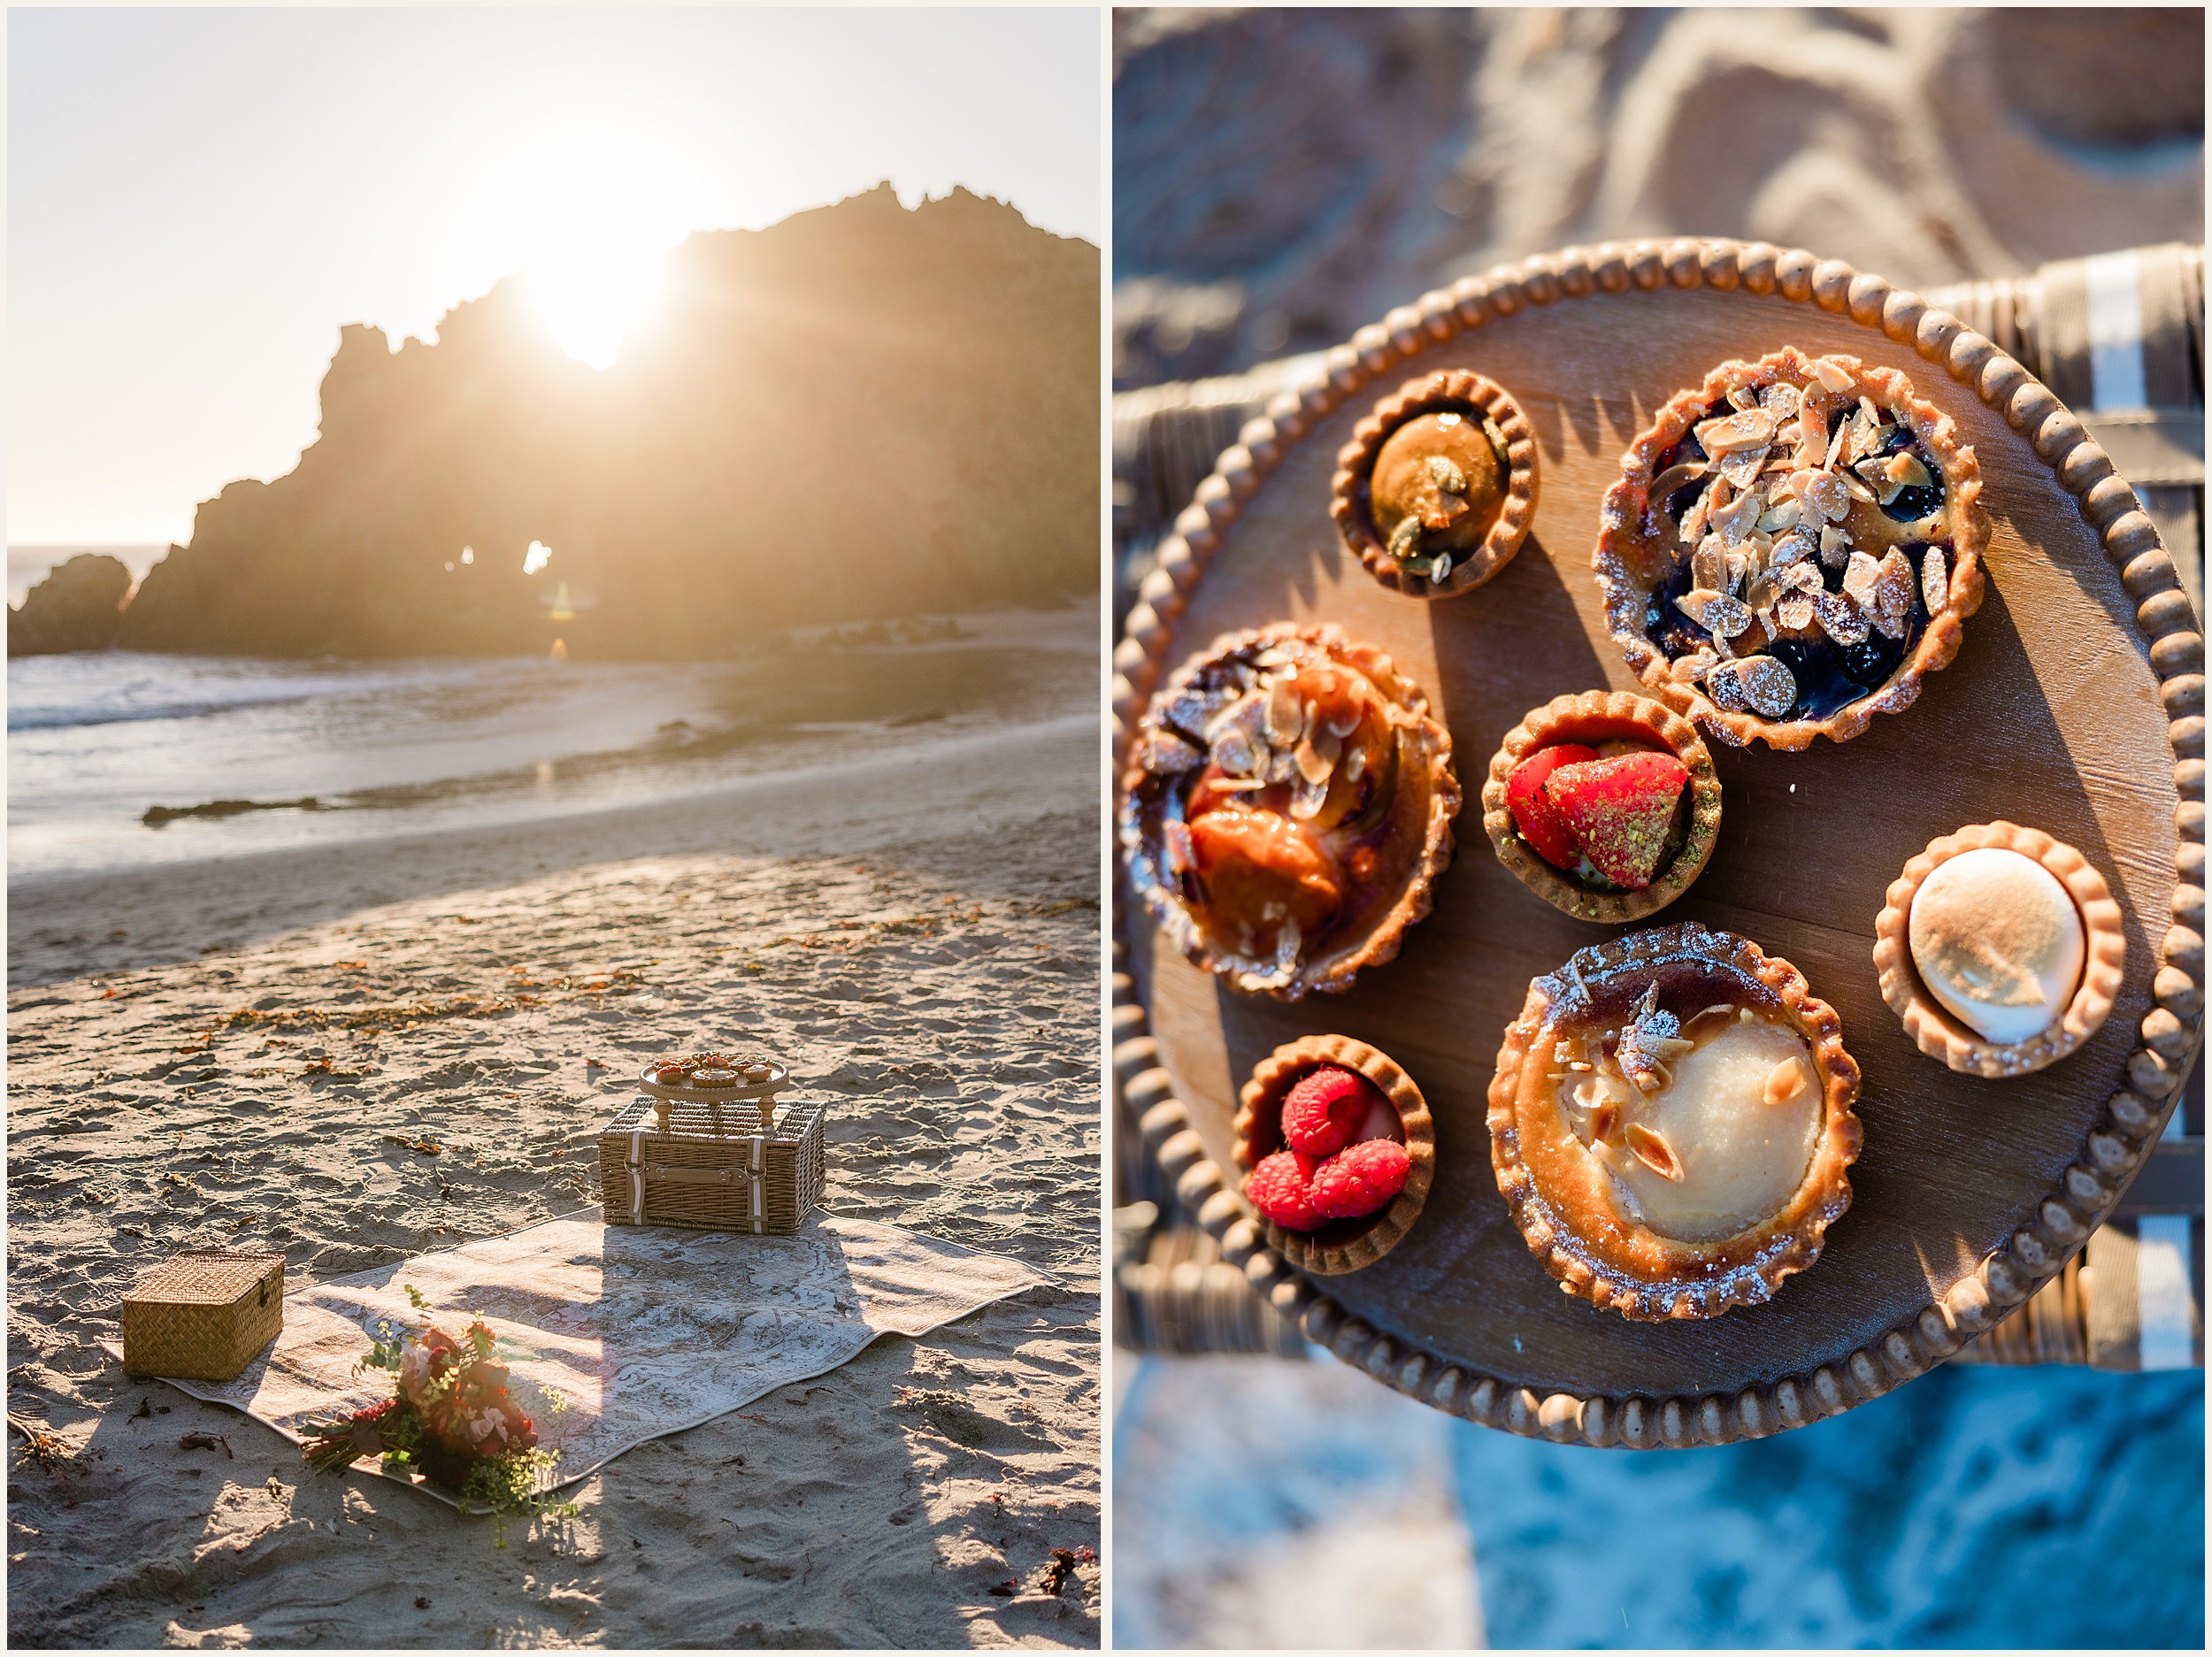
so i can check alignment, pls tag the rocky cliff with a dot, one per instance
(77, 607)
(860, 412)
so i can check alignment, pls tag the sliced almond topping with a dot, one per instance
(1689, 669)
(1831, 374)
(1780, 400)
(1858, 491)
(1835, 444)
(1801, 577)
(1839, 618)
(1859, 576)
(1785, 1081)
(1781, 516)
(1742, 469)
(1726, 618)
(1652, 1151)
(1738, 517)
(1825, 495)
(1935, 581)
(1743, 397)
(1318, 756)
(1730, 434)
(1904, 468)
(1720, 1013)
(1708, 565)
(1605, 1120)
(1693, 603)
(1286, 714)
(1795, 613)
(1894, 585)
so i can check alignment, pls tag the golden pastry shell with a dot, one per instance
(1356, 462)
(1381, 942)
(1261, 1104)
(1628, 567)
(1754, 1261)
(1932, 1026)
(1600, 714)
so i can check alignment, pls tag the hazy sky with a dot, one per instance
(197, 199)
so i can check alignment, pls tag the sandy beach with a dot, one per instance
(228, 1054)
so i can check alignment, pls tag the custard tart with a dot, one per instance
(1791, 546)
(1286, 809)
(1436, 490)
(2000, 950)
(1671, 1123)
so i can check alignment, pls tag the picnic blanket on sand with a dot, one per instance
(643, 1330)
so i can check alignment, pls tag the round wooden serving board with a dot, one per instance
(2066, 709)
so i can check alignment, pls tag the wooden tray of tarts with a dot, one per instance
(2075, 705)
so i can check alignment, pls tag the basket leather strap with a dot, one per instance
(637, 1177)
(758, 1220)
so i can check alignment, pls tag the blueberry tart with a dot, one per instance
(1671, 1123)
(1605, 804)
(1792, 548)
(1436, 490)
(1287, 808)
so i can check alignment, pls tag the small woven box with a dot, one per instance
(203, 1317)
(742, 1166)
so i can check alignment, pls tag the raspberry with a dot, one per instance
(1534, 814)
(1619, 810)
(1280, 1188)
(1360, 1179)
(1324, 1109)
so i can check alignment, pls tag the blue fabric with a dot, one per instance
(1976, 1506)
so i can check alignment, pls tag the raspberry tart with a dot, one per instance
(2001, 949)
(1792, 548)
(1338, 1150)
(1436, 490)
(1286, 809)
(1671, 1123)
(1605, 805)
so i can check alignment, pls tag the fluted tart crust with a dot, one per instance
(1339, 1246)
(1792, 548)
(1287, 808)
(1940, 1033)
(1469, 477)
(1604, 720)
(1671, 1124)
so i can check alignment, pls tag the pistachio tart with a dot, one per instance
(1436, 490)
(1671, 1123)
(1605, 804)
(1387, 1107)
(1287, 808)
(1792, 548)
(2001, 949)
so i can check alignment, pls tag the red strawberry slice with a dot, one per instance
(1324, 1111)
(1281, 1188)
(1534, 815)
(1618, 809)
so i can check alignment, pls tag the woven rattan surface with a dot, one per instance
(715, 1167)
(203, 1317)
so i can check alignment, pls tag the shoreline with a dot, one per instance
(63, 926)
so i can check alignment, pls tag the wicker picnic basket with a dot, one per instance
(203, 1317)
(720, 1160)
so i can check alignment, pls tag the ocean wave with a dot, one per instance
(65, 719)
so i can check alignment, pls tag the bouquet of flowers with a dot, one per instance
(450, 1416)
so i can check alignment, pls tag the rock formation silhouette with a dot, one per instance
(77, 607)
(861, 411)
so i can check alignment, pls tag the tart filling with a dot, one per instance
(2001, 949)
(1338, 1150)
(1791, 547)
(1287, 804)
(1671, 1123)
(1605, 804)
(1436, 490)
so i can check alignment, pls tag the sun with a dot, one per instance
(589, 220)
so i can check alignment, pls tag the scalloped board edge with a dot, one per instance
(2169, 1037)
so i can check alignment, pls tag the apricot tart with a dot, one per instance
(2001, 949)
(1436, 492)
(1791, 546)
(1338, 1151)
(1605, 804)
(1671, 1123)
(1287, 806)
